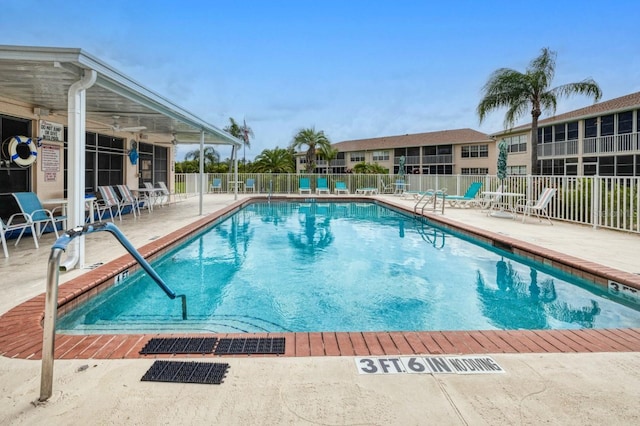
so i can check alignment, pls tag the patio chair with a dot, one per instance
(216, 184)
(341, 188)
(166, 195)
(108, 202)
(322, 186)
(304, 186)
(250, 185)
(30, 205)
(386, 188)
(541, 205)
(466, 200)
(14, 223)
(128, 199)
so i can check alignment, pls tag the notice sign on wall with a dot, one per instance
(50, 158)
(51, 131)
(428, 365)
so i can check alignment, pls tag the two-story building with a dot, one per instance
(460, 151)
(599, 139)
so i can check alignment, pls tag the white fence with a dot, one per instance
(607, 202)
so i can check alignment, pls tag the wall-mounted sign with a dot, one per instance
(50, 176)
(50, 158)
(51, 131)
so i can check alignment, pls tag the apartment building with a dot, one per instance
(446, 152)
(601, 139)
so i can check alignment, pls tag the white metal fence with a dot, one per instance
(607, 202)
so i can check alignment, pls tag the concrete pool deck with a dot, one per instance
(537, 388)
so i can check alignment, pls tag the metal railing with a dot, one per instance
(597, 201)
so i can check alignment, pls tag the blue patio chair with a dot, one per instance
(466, 200)
(251, 185)
(341, 188)
(322, 186)
(304, 186)
(30, 205)
(216, 184)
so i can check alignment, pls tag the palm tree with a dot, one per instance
(314, 141)
(211, 156)
(328, 153)
(530, 91)
(242, 132)
(277, 160)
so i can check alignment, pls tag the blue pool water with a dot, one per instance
(343, 267)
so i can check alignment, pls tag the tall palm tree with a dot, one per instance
(530, 91)
(328, 153)
(313, 141)
(211, 156)
(242, 132)
(277, 160)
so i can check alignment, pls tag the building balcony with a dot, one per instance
(437, 159)
(558, 149)
(626, 143)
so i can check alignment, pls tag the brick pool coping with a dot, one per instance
(21, 327)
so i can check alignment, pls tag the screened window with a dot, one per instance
(590, 127)
(475, 171)
(572, 131)
(547, 132)
(560, 132)
(517, 143)
(475, 151)
(625, 122)
(606, 125)
(516, 170)
(380, 155)
(357, 157)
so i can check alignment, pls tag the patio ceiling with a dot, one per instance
(41, 77)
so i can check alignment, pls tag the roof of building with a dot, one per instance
(622, 103)
(456, 136)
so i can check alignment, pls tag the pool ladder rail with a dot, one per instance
(51, 296)
(429, 200)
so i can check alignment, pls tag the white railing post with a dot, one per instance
(595, 202)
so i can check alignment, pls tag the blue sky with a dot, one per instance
(355, 69)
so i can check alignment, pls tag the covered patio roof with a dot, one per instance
(42, 76)
(68, 82)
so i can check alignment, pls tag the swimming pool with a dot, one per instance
(314, 266)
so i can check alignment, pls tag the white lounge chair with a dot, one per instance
(541, 205)
(16, 222)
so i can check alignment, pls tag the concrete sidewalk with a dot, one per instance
(563, 389)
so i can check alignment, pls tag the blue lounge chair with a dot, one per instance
(341, 188)
(304, 186)
(30, 205)
(321, 186)
(466, 200)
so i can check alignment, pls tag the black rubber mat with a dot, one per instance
(262, 345)
(180, 345)
(211, 373)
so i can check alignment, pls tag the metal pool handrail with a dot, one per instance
(51, 298)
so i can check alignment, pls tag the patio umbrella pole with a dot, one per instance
(51, 296)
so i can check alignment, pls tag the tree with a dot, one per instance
(329, 154)
(313, 141)
(368, 168)
(530, 91)
(211, 156)
(277, 160)
(242, 132)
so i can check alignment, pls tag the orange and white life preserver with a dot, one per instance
(22, 151)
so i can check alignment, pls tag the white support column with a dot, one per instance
(76, 148)
(201, 171)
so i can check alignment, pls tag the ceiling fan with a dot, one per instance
(116, 127)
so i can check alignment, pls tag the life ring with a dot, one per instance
(22, 151)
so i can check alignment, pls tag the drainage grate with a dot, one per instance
(263, 345)
(210, 373)
(180, 345)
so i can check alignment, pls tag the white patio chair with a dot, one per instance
(541, 205)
